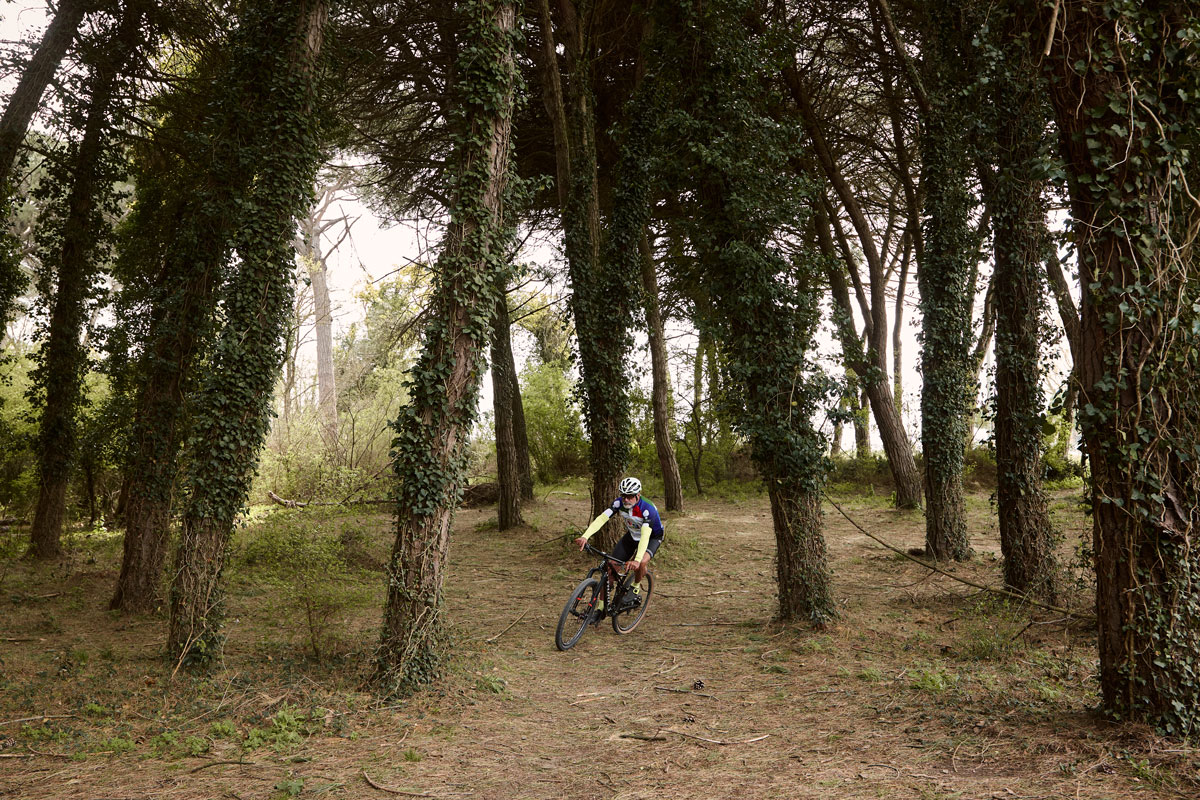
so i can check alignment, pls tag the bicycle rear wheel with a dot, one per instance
(576, 614)
(629, 613)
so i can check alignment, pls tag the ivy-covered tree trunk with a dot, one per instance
(507, 465)
(36, 76)
(280, 46)
(601, 318)
(190, 177)
(181, 323)
(1019, 288)
(738, 193)
(943, 278)
(73, 256)
(661, 392)
(1127, 126)
(432, 431)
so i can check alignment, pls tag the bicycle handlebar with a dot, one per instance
(607, 556)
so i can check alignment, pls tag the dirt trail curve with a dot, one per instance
(708, 698)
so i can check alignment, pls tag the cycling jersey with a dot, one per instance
(642, 513)
(641, 521)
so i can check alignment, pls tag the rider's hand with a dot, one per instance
(581, 541)
(630, 566)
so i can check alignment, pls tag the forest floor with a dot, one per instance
(923, 688)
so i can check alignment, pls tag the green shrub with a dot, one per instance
(306, 560)
(557, 446)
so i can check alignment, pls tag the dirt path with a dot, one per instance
(920, 690)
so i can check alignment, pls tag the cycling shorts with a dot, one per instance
(627, 547)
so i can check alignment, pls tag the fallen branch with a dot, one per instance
(285, 503)
(951, 575)
(39, 718)
(394, 791)
(714, 741)
(506, 630)
(17, 755)
(682, 691)
(643, 737)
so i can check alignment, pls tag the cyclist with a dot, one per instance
(643, 529)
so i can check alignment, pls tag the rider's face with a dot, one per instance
(628, 500)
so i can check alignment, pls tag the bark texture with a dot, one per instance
(508, 466)
(1017, 291)
(232, 407)
(1136, 373)
(801, 559)
(663, 423)
(435, 427)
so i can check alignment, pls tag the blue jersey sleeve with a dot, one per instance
(650, 515)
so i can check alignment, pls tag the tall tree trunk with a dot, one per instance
(862, 425)
(892, 434)
(1017, 291)
(64, 357)
(323, 323)
(233, 406)
(36, 76)
(661, 395)
(507, 464)
(601, 323)
(433, 429)
(520, 436)
(1139, 404)
(183, 321)
(942, 279)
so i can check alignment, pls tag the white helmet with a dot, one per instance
(631, 486)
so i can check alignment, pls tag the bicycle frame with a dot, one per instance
(613, 584)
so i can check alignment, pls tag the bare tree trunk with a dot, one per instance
(35, 78)
(435, 426)
(326, 386)
(896, 445)
(862, 425)
(672, 485)
(801, 560)
(521, 438)
(507, 465)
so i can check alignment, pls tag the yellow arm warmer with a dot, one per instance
(643, 543)
(598, 523)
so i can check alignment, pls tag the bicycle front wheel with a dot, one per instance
(577, 613)
(633, 607)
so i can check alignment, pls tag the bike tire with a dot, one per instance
(577, 614)
(626, 619)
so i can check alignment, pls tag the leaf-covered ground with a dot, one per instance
(923, 689)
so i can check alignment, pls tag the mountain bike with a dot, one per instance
(604, 582)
